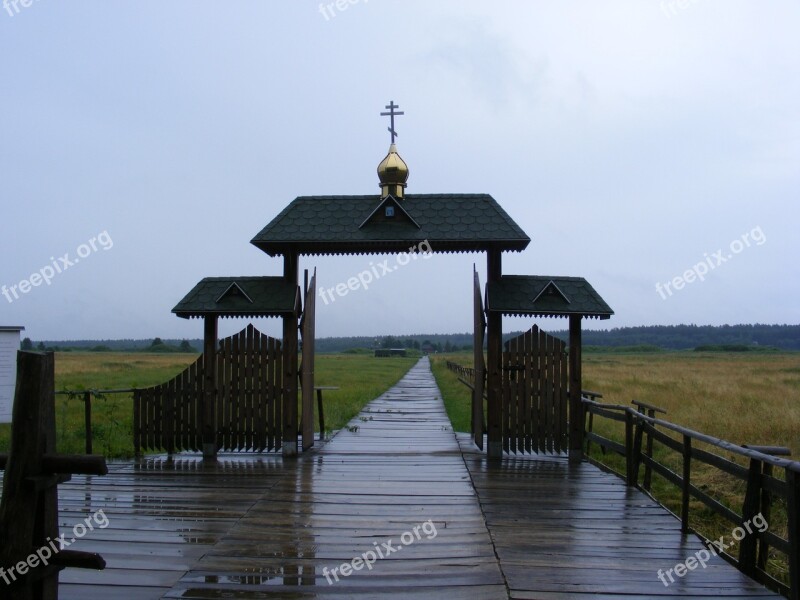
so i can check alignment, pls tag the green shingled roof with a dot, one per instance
(240, 297)
(545, 296)
(336, 224)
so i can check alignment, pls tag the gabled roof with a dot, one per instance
(449, 222)
(544, 296)
(240, 297)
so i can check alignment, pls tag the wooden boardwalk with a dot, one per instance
(260, 526)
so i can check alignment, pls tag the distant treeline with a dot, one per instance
(151, 345)
(684, 337)
(668, 337)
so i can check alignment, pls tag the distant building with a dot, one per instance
(387, 352)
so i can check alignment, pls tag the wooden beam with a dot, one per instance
(208, 410)
(72, 464)
(576, 418)
(494, 357)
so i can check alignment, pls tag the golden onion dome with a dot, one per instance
(393, 173)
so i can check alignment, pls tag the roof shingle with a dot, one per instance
(449, 222)
(240, 297)
(545, 296)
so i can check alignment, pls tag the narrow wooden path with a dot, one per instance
(449, 524)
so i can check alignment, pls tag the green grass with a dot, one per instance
(457, 396)
(360, 379)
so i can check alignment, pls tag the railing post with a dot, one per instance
(766, 510)
(646, 409)
(590, 428)
(87, 419)
(629, 448)
(687, 482)
(637, 450)
(793, 531)
(648, 451)
(748, 545)
(321, 412)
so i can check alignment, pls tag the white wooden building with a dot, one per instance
(9, 344)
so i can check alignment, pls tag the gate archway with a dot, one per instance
(396, 222)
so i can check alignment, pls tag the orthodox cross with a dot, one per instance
(392, 114)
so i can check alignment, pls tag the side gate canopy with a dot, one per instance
(246, 297)
(544, 296)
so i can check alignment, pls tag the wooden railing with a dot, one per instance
(762, 487)
(466, 375)
(86, 396)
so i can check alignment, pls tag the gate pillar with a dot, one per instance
(494, 357)
(208, 412)
(290, 363)
(576, 418)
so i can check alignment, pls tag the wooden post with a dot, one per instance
(629, 448)
(648, 470)
(290, 344)
(208, 411)
(748, 547)
(636, 454)
(793, 533)
(687, 483)
(479, 370)
(576, 417)
(766, 512)
(308, 332)
(494, 356)
(87, 420)
(28, 513)
(321, 416)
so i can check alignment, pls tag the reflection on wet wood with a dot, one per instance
(262, 526)
(572, 531)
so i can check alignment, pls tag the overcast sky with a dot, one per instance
(631, 140)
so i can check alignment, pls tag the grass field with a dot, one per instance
(360, 379)
(743, 398)
(739, 397)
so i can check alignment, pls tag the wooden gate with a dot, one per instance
(249, 374)
(307, 327)
(479, 327)
(535, 395)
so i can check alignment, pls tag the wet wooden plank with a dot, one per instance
(256, 526)
(573, 531)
